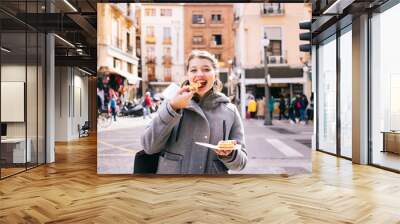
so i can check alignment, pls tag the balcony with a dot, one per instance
(150, 60)
(167, 41)
(272, 9)
(150, 40)
(276, 60)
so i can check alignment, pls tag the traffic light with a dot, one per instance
(305, 25)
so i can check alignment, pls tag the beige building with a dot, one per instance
(161, 45)
(116, 40)
(279, 23)
(209, 27)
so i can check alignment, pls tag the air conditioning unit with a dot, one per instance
(276, 60)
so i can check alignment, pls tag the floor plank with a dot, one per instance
(70, 191)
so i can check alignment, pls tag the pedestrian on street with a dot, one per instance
(113, 106)
(282, 108)
(261, 108)
(292, 115)
(297, 107)
(252, 108)
(147, 105)
(271, 106)
(304, 105)
(201, 114)
(310, 110)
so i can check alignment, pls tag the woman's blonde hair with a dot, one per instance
(214, 63)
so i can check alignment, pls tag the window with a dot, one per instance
(275, 48)
(115, 33)
(198, 40)
(167, 51)
(272, 8)
(167, 74)
(117, 63)
(128, 9)
(130, 67)
(198, 19)
(167, 33)
(128, 42)
(150, 31)
(166, 12)
(216, 18)
(274, 35)
(150, 51)
(216, 39)
(327, 96)
(385, 88)
(150, 12)
(218, 56)
(346, 94)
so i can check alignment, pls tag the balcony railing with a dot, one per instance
(150, 60)
(150, 40)
(276, 60)
(167, 41)
(272, 9)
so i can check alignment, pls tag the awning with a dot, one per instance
(282, 72)
(132, 79)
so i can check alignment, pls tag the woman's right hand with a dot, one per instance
(182, 98)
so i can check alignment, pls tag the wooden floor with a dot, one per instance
(70, 191)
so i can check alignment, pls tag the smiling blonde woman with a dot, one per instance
(200, 114)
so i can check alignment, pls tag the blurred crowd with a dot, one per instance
(117, 97)
(297, 109)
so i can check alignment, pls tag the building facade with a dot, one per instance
(116, 48)
(277, 24)
(162, 45)
(208, 27)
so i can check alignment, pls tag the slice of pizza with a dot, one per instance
(227, 144)
(193, 87)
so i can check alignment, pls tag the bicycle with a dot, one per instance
(104, 119)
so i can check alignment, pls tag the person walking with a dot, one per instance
(292, 115)
(197, 114)
(297, 107)
(113, 107)
(147, 105)
(261, 108)
(271, 106)
(304, 105)
(252, 108)
(310, 110)
(282, 108)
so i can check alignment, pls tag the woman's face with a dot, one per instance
(201, 71)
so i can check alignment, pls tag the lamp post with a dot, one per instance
(268, 119)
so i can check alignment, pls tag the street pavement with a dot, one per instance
(282, 148)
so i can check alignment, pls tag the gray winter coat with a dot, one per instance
(174, 135)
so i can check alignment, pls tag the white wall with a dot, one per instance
(71, 95)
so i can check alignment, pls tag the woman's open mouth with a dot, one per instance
(202, 83)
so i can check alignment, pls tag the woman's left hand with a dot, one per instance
(228, 148)
(224, 152)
